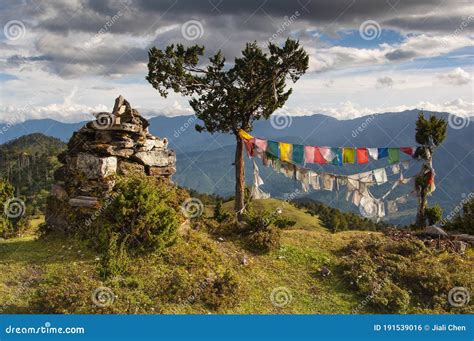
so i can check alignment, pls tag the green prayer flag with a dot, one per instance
(273, 150)
(298, 153)
(393, 155)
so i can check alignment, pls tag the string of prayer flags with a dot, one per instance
(300, 154)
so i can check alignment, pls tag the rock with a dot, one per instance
(161, 171)
(244, 260)
(83, 201)
(114, 143)
(324, 271)
(59, 192)
(94, 167)
(157, 158)
(128, 168)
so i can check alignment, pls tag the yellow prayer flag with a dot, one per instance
(348, 155)
(244, 135)
(286, 150)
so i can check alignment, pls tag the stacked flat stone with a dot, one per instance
(116, 143)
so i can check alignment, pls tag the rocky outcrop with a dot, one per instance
(114, 144)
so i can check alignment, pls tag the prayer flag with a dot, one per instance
(374, 153)
(393, 155)
(382, 152)
(272, 150)
(338, 156)
(308, 154)
(244, 135)
(249, 146)
(362, 155)
(318, 158)
(298, 153)
(348, 155)
(286, 151)
(327, 153)
(407, 150)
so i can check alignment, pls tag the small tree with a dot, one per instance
(430, 133)
(228, 100)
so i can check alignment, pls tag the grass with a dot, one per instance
(161, 283)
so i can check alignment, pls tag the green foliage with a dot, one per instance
(28, 163)
(336, 220)
(284, 223)
(431, 130)
(463, 220)
(219, 214)
(263, 236)
(115, 260)
(434, 214)
(228, 100)
(144, 215)
(394, 275)
(9, 227)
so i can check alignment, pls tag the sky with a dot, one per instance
(68, 59)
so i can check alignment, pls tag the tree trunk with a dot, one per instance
(423, 192)
(239, 179)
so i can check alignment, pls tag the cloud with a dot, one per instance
(384, 82)
(455, 77)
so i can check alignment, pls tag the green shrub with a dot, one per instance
(434, 214)
(265, 240)
(10, 227)
(144, 215)
(404, 276)
(219, 214)
(115, 260)
(283, 223)
(462, 219)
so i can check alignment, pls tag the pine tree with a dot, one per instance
(227, 100)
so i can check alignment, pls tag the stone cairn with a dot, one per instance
(114, 144)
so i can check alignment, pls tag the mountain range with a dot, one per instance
(205, 161)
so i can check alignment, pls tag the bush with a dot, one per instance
(399, 275)
(219, 214)
(283, 223)
(10, 227)
(115, 260)
(263, 236)
(434, 214)
(144, 215)
(463, 220)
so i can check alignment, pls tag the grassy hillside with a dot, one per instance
(202, 272)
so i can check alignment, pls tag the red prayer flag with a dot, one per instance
(249, 144)
(407, 150)
(318, 157)
(362, 155)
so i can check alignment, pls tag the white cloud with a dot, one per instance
(455, 77)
